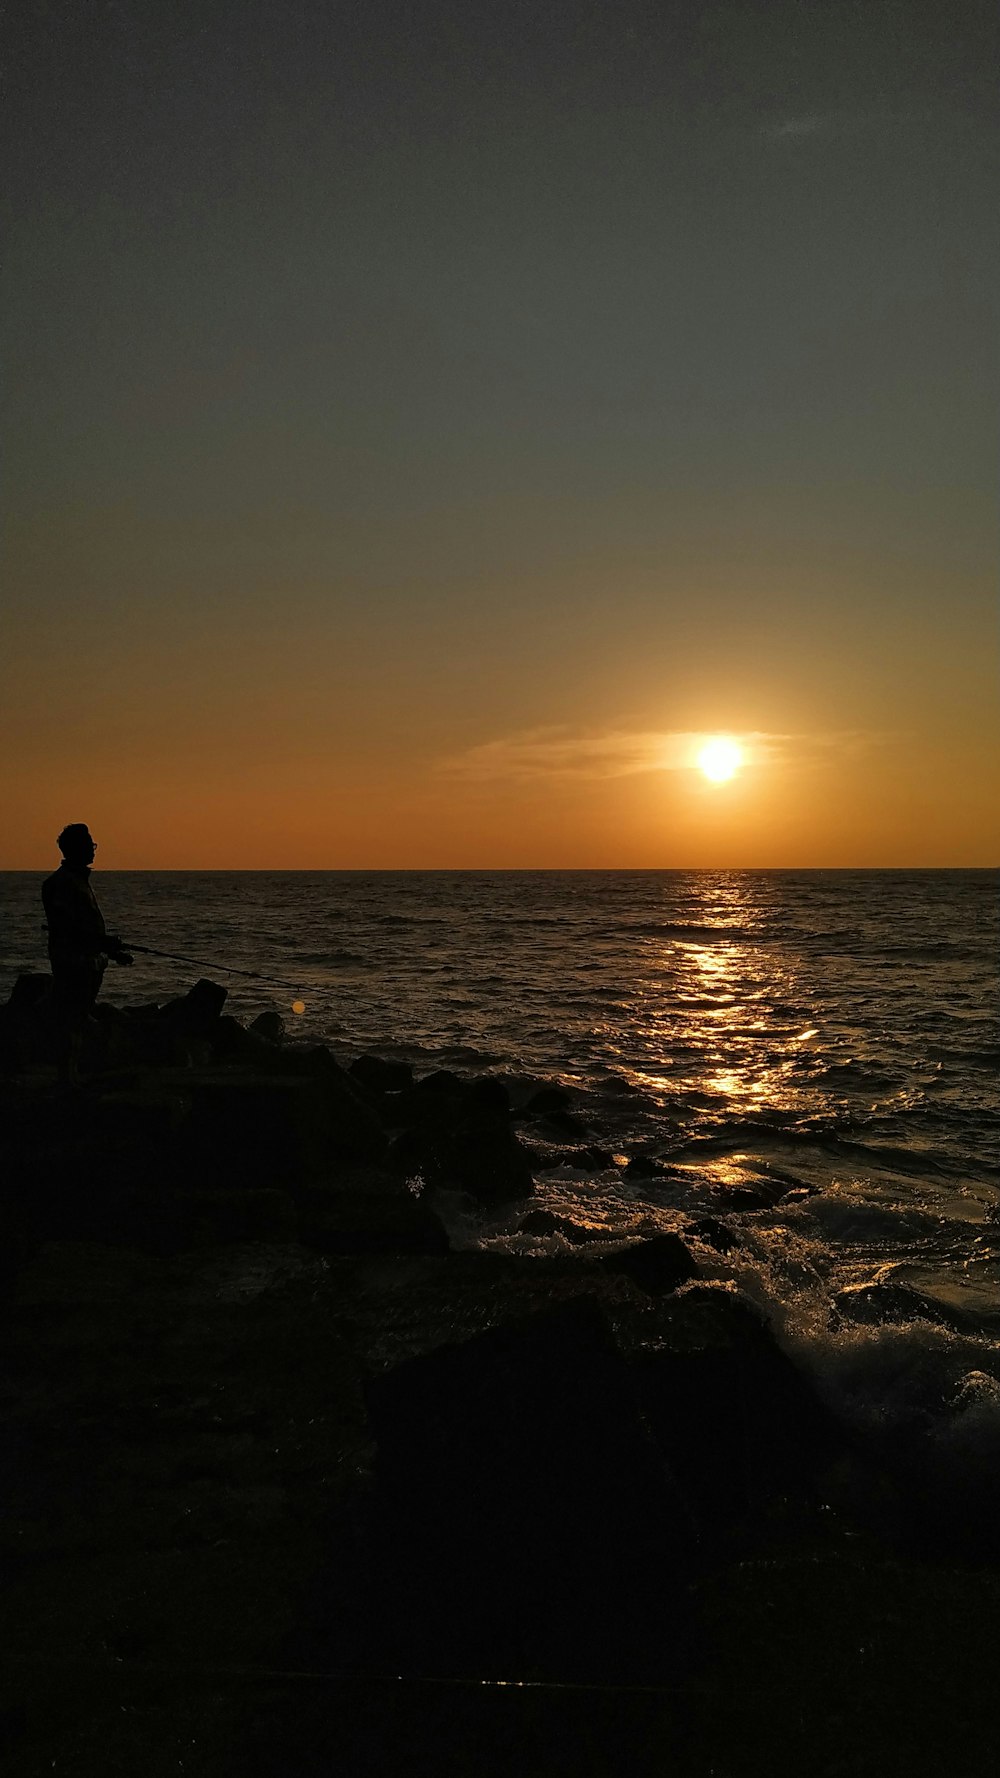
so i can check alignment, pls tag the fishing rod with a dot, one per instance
(255, 975)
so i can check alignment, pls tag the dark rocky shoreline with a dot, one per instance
(287, 1479)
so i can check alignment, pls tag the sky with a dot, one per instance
(427, 424)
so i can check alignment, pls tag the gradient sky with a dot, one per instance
(424, 419)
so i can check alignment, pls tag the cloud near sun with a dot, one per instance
(558, 753)
(619, 753)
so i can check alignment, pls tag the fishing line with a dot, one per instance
(255, 975)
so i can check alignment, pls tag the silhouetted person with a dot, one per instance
(79, 943)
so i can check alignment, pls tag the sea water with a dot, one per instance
(829, 1035)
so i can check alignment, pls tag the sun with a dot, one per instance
(720, 759)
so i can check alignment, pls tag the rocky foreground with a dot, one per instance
(286, 1479)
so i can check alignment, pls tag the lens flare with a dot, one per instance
(298, 1006)
(720, 759)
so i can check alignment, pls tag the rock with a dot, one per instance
(277, 1129)
(270, 1025)
(195, 1014)
(548, 1099)
(875, 1303)
(483, 1157)
(563, 1126)
(488, 1094)
(370, 1213)
(230, 1217)
(503, 1466)
(737, 1422)
(380, 1076)
(659, 1265)
(644, 1166)
(546, 1222)
(442, 1081)
(713, 1233)
(28, 992)
(232, 1042)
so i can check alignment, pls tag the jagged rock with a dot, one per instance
(380, 1076)
(369, 1213)
(443, 1080)
(737, 1422)
(270, 1025)
(659, 1265)
(546, 1222)
(211, 1217)
(196, 1012)
(713, 1233)
(562, 1126)
(488, 1094)
(644, 1166)
(232, 1042)
(547, 1100)
(589, 1159)
(502, 1469)
(478, 1154)
(278, 1129)
(28, 992)
(877, 1302)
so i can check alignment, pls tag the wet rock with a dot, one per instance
(751, 1194)
(257, 1130)
(547, 1100)
(645, 1166)
(442, 1081)
(487, 1094)
(737, 1422)
(232, 1042)
(591, 1158)
(196, 1012)
(546, 1222)
(657, 1266)
(466, 1144)
(369, 1212)
(713, 1233)
(226, 1217)
(270, 1025)
(28, 993)
(503, 1468)
(562, 1126)
(380, 1076)
(873, 1304)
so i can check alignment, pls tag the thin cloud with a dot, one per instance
(555, 753)
(832, 124)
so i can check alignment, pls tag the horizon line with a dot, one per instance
(481, 869)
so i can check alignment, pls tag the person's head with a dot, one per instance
(76, 845)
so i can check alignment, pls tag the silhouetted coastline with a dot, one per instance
(229, 1277)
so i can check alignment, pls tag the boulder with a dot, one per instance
(28, 992)
(547, 1100)
(269, 1025)
(369, 1212)
(713, 1233)
(380, 1076)
(229, 1217)
(503, 1469)
(875, 1303)
(196, 1012)
(736, 1420)
(644, 1166)
(256, 1129)
(478, 1154)
(657, 1266)
(546, 1222)
(442, 1081)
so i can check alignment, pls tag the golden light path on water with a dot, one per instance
(726, 1016)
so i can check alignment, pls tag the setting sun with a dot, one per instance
(720, 759)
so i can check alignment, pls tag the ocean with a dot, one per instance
(826, 1040)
